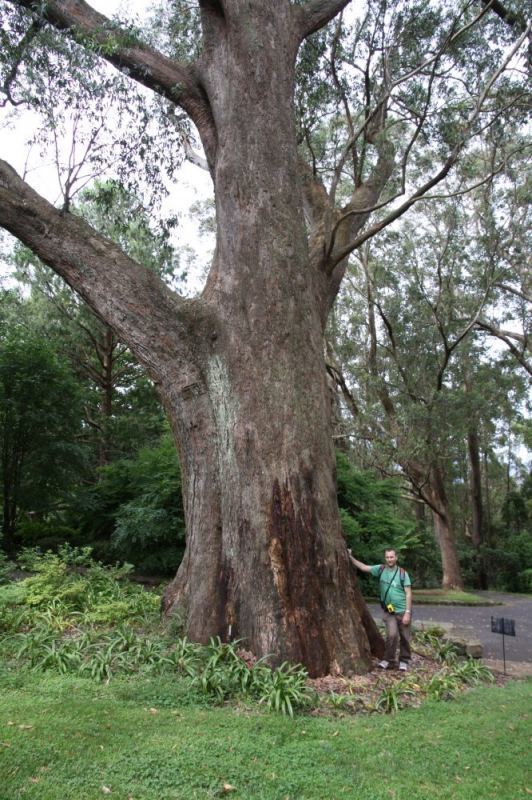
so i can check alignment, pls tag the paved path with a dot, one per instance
(477, 619)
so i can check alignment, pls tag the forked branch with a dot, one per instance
(341, 253)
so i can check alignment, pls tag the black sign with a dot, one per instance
(503, 625)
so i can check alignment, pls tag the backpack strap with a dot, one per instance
(402, 574)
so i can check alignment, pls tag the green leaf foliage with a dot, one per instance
(40, 421)
(135, 512)
(372, 516)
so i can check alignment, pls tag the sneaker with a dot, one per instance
(383, 664)
(403, 666)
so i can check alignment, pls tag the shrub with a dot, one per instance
(472, 672)
(135, 511)
(71, 587)
(282, 689)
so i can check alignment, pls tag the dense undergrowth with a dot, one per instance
(73, 615)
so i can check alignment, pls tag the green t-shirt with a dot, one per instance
(396, 594)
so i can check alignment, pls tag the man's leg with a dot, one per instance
(404, 637)
(392, 636)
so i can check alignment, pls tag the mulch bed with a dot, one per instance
(363, 691)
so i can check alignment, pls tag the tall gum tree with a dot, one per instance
(241, 368)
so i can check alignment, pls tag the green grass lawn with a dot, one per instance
(444, 597)
(449, 597)
(66, 738)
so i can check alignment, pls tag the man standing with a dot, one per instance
(396, 601)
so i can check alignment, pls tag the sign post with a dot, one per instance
(507, 628)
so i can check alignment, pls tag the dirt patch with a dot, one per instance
(420, 666)
(361, 693)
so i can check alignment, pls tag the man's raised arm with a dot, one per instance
(358, 564)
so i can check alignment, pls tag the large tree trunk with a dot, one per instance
(265, 556)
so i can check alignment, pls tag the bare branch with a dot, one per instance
(317, 13)
(194, 157)
(335, 371)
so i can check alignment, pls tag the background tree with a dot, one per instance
(425, 365)
(241, 368)
(40, 418)
(121, 405)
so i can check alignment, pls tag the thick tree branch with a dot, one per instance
(315, 196)
(176, 82)
(317, 13)
(352, 218)
(129, 297)
(521, 294)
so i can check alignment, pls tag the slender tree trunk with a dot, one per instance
(477, 512)
(452, 574)
(487, 494)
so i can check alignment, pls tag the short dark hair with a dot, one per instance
(390, 550)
